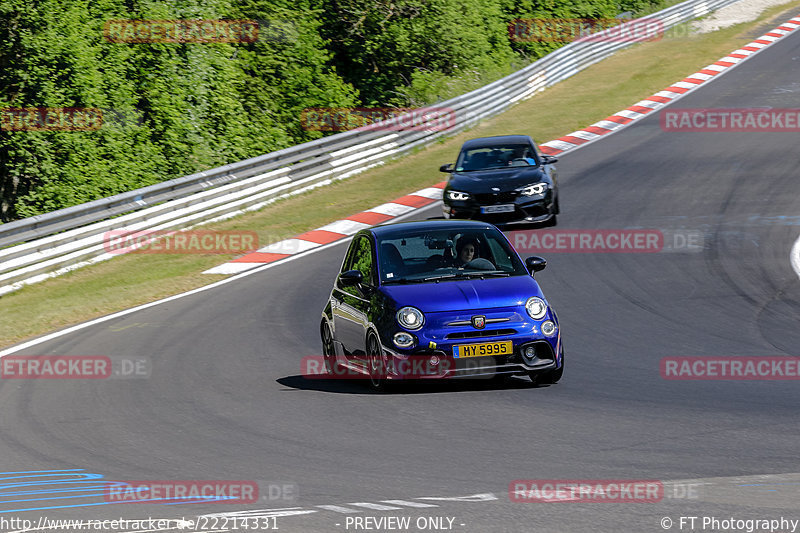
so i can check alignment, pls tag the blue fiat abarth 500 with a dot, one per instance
(439, 299)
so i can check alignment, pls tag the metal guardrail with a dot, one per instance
(35, 248)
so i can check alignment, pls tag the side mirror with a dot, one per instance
(446, 168)
(351, 278)
(535, 264)
(549, 159)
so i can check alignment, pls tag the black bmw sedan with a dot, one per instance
(501, 180)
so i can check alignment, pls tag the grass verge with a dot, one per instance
(587, 97)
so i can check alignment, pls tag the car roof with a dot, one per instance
(497, 141)
(386, 230)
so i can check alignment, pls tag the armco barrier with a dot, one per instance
(35, 248)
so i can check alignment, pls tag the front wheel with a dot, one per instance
(328, 350)
(548, 377)
(376, 368)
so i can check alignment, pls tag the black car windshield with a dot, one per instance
(445, 255)
(494, 157)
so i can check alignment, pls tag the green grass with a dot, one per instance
(589, 96)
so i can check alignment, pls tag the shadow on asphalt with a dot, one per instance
(362, 386)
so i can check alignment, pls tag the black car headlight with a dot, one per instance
(410, 318)
(536, 307)
(532, 190)
(457, 195)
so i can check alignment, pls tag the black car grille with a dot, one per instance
(496, 198)
(479, 333)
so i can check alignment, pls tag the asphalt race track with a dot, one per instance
(225, 401)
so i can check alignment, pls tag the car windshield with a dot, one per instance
(444, 255)
(494, 157)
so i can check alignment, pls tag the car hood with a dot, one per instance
(431, 297)
(505, 179)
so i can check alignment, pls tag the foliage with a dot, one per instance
(171, 109)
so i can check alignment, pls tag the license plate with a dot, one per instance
(505, 208)
(483, 349)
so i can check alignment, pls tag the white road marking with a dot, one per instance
(231, 268)
(289, 246)
(345, 227)
(559, 145)
(391, 209)
(485, 497)
(700, 76)
(627, 113)
(409, 504)
(607, 124)
(339, 509)
(434, 193)
(653, 104)
(585, 135)
(375, 506)
(261, 513)
(668, 94)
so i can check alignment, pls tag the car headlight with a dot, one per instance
(410, 318)
(536, 307)
(456, 195)
(549, 328)
(536, 188)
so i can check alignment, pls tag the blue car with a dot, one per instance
(439, 299)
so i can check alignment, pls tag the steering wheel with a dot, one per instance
(480, 263)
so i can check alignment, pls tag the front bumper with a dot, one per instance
(439, 362)
(529, 209)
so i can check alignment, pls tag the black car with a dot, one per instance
(500, 180)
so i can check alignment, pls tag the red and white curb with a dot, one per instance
(662, 98)
(378, 215)
(332, 232)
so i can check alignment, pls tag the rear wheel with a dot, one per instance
(376, 368)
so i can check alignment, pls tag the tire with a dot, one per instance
(328, 349)
(553, 220)
(548, 377)
(375, 365)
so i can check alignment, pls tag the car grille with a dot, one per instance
(495, 198)
(479, 333)
(469, 322)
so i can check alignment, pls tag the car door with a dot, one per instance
(352, 305)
